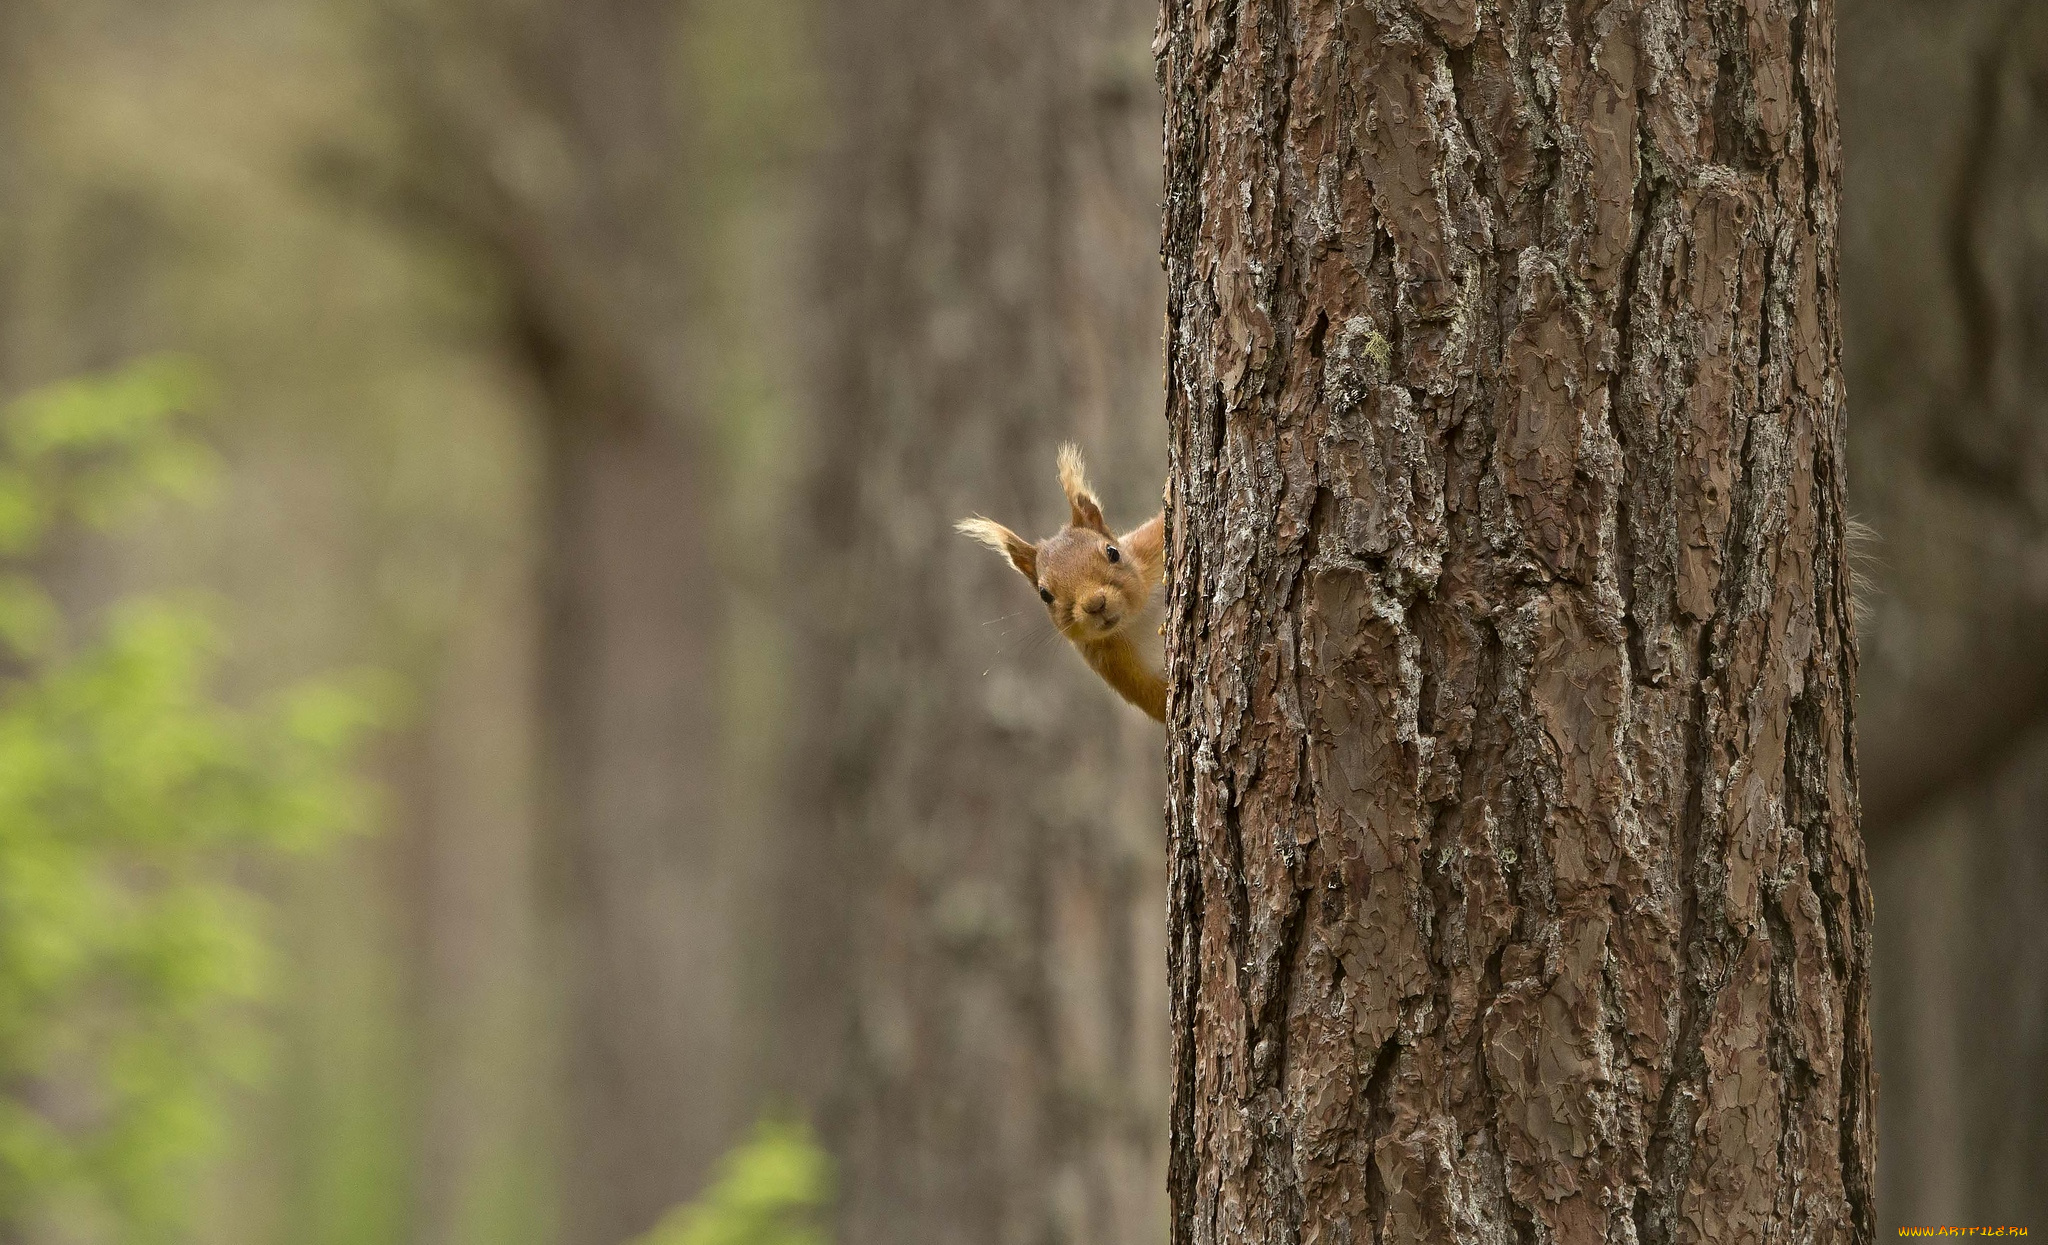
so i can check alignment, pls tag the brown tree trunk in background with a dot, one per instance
(1946, 284)
(1517, 890)
(554, 137)
(989, 878)
(1945, 264)
(650, 1007)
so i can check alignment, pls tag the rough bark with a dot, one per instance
(987, 874)
(1945, 120)
(1516, 885)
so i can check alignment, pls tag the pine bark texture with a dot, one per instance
(987, 888)
(1517, 891)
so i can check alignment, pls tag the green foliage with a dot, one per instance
(129, 797)
(769, 1191)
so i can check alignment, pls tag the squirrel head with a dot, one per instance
(1089, 587)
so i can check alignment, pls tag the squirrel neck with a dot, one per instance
(1118, 661)
(1116, 658)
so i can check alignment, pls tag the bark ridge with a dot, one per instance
(1517, 891)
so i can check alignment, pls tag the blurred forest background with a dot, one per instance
(623, 746)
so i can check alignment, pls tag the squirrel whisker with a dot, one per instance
(1086, 574)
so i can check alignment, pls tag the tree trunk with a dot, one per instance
(554, 139)
(1516, 884)
(1946, 116)
(650, 1000)
(989, 878)
(1945, 281)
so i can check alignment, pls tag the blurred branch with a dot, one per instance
(550, 135)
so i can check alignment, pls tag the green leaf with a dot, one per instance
(129, 794)
(24, 511)
(29, 622)
(769, 1191)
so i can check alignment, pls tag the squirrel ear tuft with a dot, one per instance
(1085, 511)
(1022, 553)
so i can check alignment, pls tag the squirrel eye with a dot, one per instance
(1045, 595)
(1113, 554)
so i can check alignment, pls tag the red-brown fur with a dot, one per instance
(1094, 601)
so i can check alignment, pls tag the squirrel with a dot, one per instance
(1095, 584)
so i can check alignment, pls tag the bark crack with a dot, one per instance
(1487, 1029)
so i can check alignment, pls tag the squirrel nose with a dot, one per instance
(1097, 603)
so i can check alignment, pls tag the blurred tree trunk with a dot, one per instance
(554, 138)
(1949, 285)
(1517, 889)
(650, 1005)
(984, 901)
(1945, 268)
